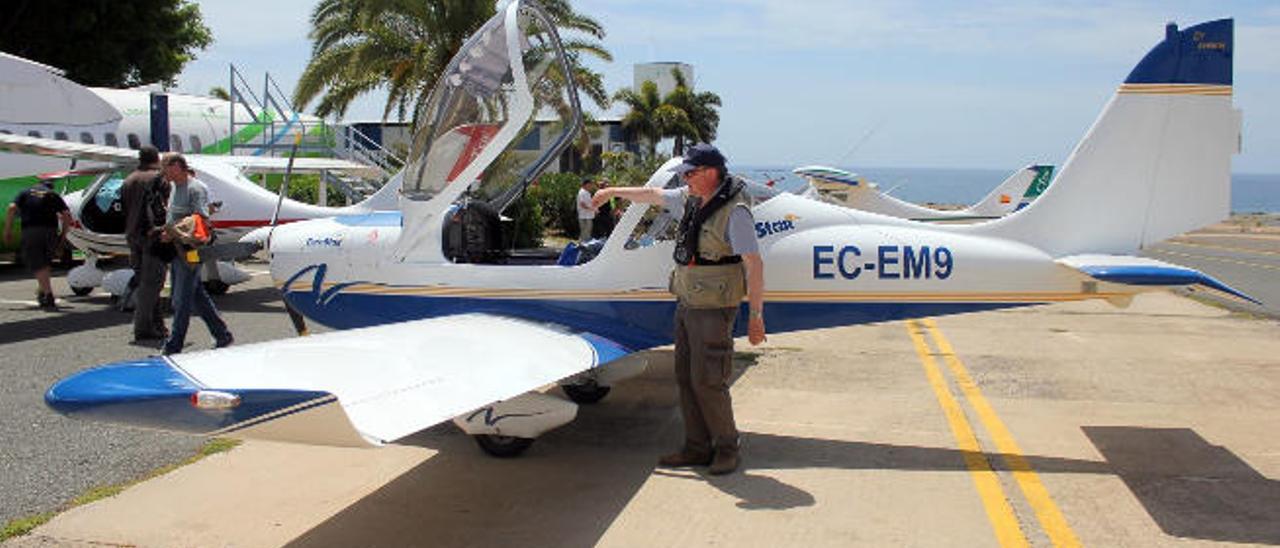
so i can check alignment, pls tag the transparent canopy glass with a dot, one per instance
(506, 82)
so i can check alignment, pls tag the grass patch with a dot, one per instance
(26, 524)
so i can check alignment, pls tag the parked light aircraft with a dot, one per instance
(427, 338)
(845, 188)
(37, 101)
(99, 214)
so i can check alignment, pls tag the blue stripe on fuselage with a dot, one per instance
(634, 324)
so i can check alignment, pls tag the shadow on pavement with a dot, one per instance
(104, 314)
(1191, 488)
(574, 482)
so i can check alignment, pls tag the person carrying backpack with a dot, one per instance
(145, 197)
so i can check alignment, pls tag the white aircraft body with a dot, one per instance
(427, 338)
(1015, 193)
(38, 101)
(99, 215)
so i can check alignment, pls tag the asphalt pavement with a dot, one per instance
(1248, 262)
(47, 459)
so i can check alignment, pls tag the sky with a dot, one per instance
(904, 83)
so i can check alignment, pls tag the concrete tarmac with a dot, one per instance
(1072, 424)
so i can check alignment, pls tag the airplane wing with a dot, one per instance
(65, 149)
(358, 387)
(269, 164)
(1129, 270)
(101, 153)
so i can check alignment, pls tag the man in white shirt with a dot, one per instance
(586, 211)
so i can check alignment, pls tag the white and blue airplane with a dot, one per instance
(437, 321)
(1014, 193)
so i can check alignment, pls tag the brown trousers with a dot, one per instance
(704, 363)
(148, 274)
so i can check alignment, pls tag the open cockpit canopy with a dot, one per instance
(478, 127)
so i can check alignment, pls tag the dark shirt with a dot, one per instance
(132, 197)
(39, 206)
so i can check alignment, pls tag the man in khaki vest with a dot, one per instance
(717, 262)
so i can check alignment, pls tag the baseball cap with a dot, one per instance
(700, 155)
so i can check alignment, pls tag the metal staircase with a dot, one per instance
(267, 124)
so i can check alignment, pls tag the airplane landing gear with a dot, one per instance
(85, 277)
(586, 392)
(503, 447)
(507, 428)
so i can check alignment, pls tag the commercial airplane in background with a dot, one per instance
(846, 188)
(37, 101)
(426, 337)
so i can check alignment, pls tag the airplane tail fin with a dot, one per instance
(1157, 161)
(1006, 197)
(387, 197)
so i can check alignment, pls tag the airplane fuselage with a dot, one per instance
(833, 266)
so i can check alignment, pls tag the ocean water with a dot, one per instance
(1250, 193)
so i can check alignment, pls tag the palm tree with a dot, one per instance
(404, 45)
(701, 117)
(649, 117)
(682, 114)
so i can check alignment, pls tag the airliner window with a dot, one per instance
(110, 139)
(176, 142)
(86, 138)
(61, 136)
(35, 134)
(196, 145)
(134, 142)
(658, 223)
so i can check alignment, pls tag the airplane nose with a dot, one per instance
(257, 236)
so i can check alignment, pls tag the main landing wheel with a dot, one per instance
(503, 447)
(585, 393)
(81, 291)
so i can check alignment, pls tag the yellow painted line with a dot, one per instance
(1051, 519)
(999, 512)
(1216, 259)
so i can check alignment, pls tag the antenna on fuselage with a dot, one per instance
(299, 322)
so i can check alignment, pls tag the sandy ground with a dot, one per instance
(1148, 426)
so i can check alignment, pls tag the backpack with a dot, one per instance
(156, 203)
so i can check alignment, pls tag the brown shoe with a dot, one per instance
(726, 461)
(685, 457)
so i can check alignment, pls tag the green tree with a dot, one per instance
(683, 114)
(701, 119)
(648, 117)
(403, 46)
(106, 42)
(219, 92)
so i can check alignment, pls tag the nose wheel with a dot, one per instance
(504, 447)
(585, 392)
